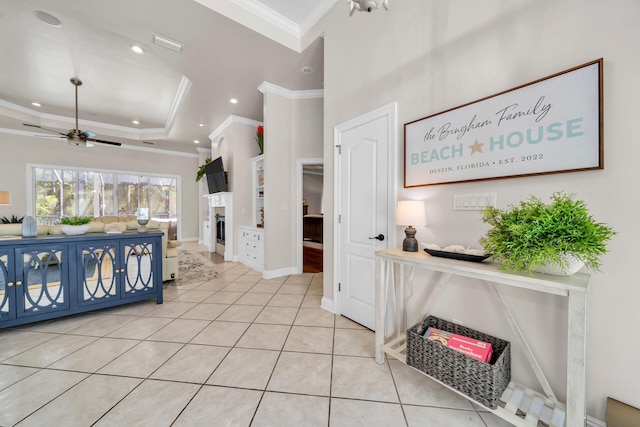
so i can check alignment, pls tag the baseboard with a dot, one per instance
(594, 422)
(271, 274)
(328, 305)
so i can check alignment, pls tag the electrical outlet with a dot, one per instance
(474, 201)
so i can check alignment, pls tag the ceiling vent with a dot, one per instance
(167, 43)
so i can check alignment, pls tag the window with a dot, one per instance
(60, 192)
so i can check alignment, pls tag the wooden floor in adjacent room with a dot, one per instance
(312, 259)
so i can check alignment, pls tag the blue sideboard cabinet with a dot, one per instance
(51, 276)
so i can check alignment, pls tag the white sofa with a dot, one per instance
(169, 251)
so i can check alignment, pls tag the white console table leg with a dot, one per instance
(576, 360)
(381, 307)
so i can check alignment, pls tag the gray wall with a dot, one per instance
(432, 56)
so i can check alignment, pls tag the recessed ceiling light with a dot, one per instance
(135, 122)
(196, 141)
(137, 49)
(48, 18)
(307, 69)
(36, 104)
(233, 101)
(201, 124)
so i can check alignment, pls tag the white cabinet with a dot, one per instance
(257, 167)
(251, 247)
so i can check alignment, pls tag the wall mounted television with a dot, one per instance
(216, 177)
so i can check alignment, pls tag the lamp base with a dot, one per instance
(410, 244)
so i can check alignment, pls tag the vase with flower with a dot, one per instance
(260, 138)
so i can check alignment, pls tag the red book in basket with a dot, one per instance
(477, 349)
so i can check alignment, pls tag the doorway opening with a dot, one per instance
(311, 215)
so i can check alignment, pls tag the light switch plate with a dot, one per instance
(474, 201)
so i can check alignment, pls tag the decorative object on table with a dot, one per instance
(5, 198)
(367, 5)
(201, 169)
(75, 225)
(551, 125)
(534, 235)
(143, 219)
(115, 227)
(29, 227)
(410, 213)
(483, 382)
(260, 138)
(458, 252)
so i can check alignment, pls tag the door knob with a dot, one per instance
(378, 237)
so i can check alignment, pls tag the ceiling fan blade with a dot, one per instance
(117, 144)
(88, 134)
(40, 127)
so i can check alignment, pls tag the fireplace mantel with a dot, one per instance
(221, 200)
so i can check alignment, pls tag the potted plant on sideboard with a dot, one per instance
(558, 238)
(75, 225)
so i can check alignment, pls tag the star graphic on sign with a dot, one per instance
(476, 147)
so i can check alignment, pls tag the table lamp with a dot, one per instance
(5, 198)
(410, 213)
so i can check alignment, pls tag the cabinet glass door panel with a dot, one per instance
(6, 287)
(98, 273)
(43, 285)
(137, 264)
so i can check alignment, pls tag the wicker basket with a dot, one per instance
(483, 382)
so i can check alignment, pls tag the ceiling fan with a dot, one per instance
(76, 136)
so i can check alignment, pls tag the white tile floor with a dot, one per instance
(232, 351)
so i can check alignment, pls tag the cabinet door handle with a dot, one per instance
(18, 283)
(10, 284)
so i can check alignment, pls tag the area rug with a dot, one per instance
(194, 267)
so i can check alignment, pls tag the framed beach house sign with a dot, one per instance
(551, 125)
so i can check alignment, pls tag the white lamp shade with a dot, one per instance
(411, 212)
(5, 198)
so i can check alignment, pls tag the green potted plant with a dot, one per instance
(13, 220)
(201, 170)
(74, 225)
(545, 237)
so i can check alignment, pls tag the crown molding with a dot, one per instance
(255, 15)
(123, 146)
(228, 122)
(19, 112)
(181, 95)
(267, 87)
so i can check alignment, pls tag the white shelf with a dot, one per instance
(519, 405)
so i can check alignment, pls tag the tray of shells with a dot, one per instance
(458, 252)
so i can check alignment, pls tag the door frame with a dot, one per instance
(389, 112)
(299, 220)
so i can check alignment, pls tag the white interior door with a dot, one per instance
(366, 193)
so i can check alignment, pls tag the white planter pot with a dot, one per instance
(573, 266)
(74, 230)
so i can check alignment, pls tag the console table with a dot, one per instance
(46, 277)
(394, 265)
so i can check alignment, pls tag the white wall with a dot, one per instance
(293, 129)
(430, 56)
(17, 151)
(312, 191)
